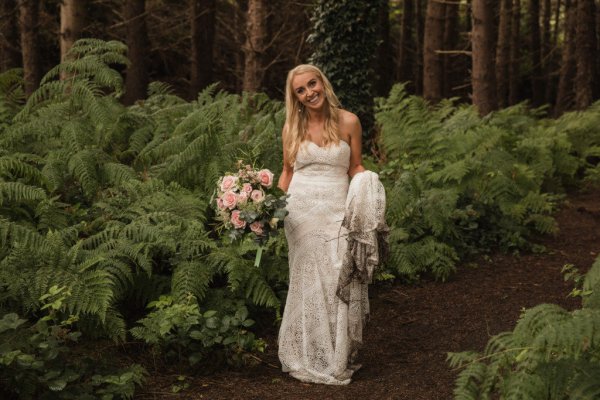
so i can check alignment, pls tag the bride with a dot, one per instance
(321, 150)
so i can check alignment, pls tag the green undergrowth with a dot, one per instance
(112, 203)
(458, 184)
(551, 354)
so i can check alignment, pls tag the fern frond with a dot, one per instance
(16, 192)
(13, 168)
(191, 277)
(591, 284)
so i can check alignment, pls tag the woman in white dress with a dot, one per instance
(321, 150)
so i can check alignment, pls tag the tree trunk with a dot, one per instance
(482, 43)
(547, 64)
(537, 89)
(503, 52)
(513, 67)
(557, 15)
(384, 62)
(469, 17)
(256, 37)
(585, 51)
(404, 71)
(10, 54)
(433, 42)
(28, 25)
(136, 81)
(418, 67)
(450, 42)
(554, 58)
(71, 24)
(564, 96)
(203, 37)
(597, 76)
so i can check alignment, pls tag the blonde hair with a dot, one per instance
(296, 117)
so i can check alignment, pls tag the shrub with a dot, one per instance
(37, 362)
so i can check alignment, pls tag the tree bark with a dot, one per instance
(482, 43)
(597, 76)
(254, 49)
(384, 62)
(404, 70)
(503, 52)
(433, 42)
(10, 54)
(71, 23)
(585, 52)
(547, 64)
(564, 96)
(418, 67)
(513, 68)
(554, 59)
(203, 37)
(28, 26)
(537, 89)
(557, 15)
(450, 42)
(136, 81)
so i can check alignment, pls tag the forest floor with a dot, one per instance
(413, 327)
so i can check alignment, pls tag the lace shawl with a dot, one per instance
(368, 247)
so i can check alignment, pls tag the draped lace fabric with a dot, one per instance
(313, 338)
(368, 247)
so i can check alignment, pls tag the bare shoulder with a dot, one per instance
(348, 119)
(349, 125)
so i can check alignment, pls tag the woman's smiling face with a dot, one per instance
(309, 90)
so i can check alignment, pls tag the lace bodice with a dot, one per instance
(332, 160)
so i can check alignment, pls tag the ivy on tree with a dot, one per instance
(344, 38)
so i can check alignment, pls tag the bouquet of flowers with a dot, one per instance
(247, 204)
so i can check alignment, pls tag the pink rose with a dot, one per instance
(236, 221)
(247, 188)
(220, 204)
(228, 182)
(257, 227)
(242, 198)
(257, 196)
(265, 177)
(229, 199)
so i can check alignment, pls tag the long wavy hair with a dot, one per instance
(296, 117)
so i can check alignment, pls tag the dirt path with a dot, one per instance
(412, 328)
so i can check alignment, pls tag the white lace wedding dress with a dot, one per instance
(313, 338)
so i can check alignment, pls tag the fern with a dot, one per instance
(475, 183)
(551, 354)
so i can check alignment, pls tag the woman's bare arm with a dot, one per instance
(352, 126)
(286, 174)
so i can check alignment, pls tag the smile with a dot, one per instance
(314, 100)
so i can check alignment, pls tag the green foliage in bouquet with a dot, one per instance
(459, 184)
(551, 354)
(36, 360)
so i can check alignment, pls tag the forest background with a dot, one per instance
(544, 51)
(478, 115)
